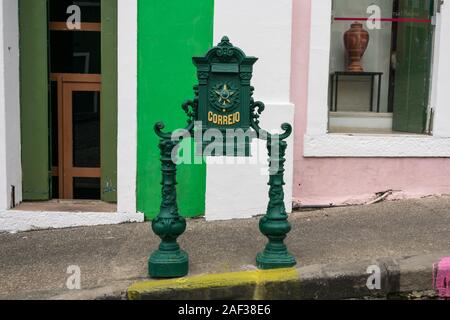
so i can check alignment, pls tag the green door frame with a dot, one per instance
(109, 101)
(413, 70)
(34, 92)
(34, 99)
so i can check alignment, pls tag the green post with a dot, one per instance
(275, 225)
(169, 261)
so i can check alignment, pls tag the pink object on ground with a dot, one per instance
(442, 281)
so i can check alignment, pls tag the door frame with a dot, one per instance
(66, 84)
(70, 171)
(36, 162)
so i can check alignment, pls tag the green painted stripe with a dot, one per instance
(169, 34)
(34, 99)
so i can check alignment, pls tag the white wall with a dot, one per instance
(10, 156)
(319, 66)
(441, 74)
(127, 106)
(262, 28)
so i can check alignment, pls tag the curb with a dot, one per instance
(398, 279)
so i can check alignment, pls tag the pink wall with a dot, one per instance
(350, 180)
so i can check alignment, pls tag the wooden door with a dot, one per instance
(81, 140)
(78, 162)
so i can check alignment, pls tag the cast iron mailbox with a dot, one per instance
(223, 104)
(224, 95)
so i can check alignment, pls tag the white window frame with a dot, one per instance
(319, 143)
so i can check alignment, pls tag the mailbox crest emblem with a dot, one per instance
(224, 96)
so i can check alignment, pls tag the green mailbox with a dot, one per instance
(227, 117)
(224, 98)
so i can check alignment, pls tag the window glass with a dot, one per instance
(381, 57)
(86, 188)
(86, 129)
(55, 187)
(54, 123)
(89, 10)
(75, 52)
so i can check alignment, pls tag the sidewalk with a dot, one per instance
(111, 258)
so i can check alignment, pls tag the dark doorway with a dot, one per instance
(75, 95)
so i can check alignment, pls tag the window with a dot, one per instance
(380, 66)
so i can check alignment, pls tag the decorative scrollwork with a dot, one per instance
(287, 128)
(225, 49)
(159, 127)
(203, 75)
(190, 107)
(256, 110)
(246, 76)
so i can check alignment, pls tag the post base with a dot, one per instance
(168, 264)
(267, 261)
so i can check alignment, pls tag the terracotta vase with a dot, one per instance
(356, 40)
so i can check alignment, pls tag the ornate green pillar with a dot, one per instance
(169, 261)
(275, 225)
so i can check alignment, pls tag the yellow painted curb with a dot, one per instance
(256, 277)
